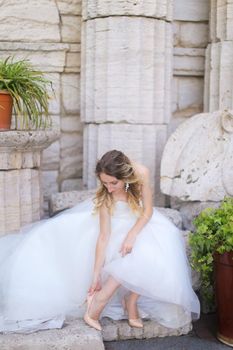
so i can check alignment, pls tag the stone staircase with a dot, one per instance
(76, 335)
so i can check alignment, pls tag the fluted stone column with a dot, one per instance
(125, 84)
(219, 58)
(21, 196)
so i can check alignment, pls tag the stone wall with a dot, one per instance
(190, 28)
(48, 33)
(126, 82)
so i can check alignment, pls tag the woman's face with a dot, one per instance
(112, 184)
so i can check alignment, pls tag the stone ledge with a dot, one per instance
(76, 335)
(64, 200)
(27, 46)
(120, 330)
(22, 149)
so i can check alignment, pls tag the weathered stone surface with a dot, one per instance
(126, 73)
(64, 200)
(20, 185)
(191, 10)
(151, 8)
(172, 215)
(71, 29)
(219, 76)
(188, 61)
(130, 139)
(195, 276)
(49, 183)
(75, 335)
(71, 93)
(71, 155)
(221, 20)
(47, 61)
(71, 167)
(120, 330)
(38, 21)
(71, 124)
(54, 93)
(187, 99)
(21, 149)
(72, 185)
(189, 210)
(51, 157)
(69, 7)
(190, 92)
(20, 199)
(200, 171)
(193, 35)
(73, 62)
(19, 46)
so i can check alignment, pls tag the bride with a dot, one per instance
(119, 254)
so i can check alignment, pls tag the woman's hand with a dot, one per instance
(95, 285)
(127, 244)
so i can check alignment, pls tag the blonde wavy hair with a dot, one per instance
(116, 163)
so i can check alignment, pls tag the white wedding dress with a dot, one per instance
(45, 272)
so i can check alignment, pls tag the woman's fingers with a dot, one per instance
(125, 250)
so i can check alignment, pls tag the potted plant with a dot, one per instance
(212, 256)
(25, 88)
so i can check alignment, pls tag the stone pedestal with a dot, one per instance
(197, 163)
(20, 185)
(125, 86)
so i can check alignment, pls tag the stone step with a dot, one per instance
(76, 335)
(120, 330)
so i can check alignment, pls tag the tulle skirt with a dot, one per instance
(46, 270)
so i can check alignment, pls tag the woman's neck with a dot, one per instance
(120, 197)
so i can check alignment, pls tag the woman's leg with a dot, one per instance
(101, 297)
(131, 305)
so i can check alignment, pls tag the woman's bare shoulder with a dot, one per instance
(141, 169)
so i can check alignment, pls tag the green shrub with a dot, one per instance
(214, 233)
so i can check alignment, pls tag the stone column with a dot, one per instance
(219, 58)
(21, 196)
(125, 85)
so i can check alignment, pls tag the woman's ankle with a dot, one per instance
(132, 308)
(97, 306)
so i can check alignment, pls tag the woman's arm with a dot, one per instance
(102, 241)
(147, 213)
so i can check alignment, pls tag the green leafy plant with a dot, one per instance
(28, 88)
(214, 233)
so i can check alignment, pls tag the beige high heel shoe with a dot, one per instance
(92, 323)
(133, 322)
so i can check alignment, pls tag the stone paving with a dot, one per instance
(76, 335)
(202, 337)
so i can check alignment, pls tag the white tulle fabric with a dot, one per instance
(45, 272)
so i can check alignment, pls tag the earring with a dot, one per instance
(126, 186)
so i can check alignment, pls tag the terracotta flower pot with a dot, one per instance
(6, 103)
(224, 294)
